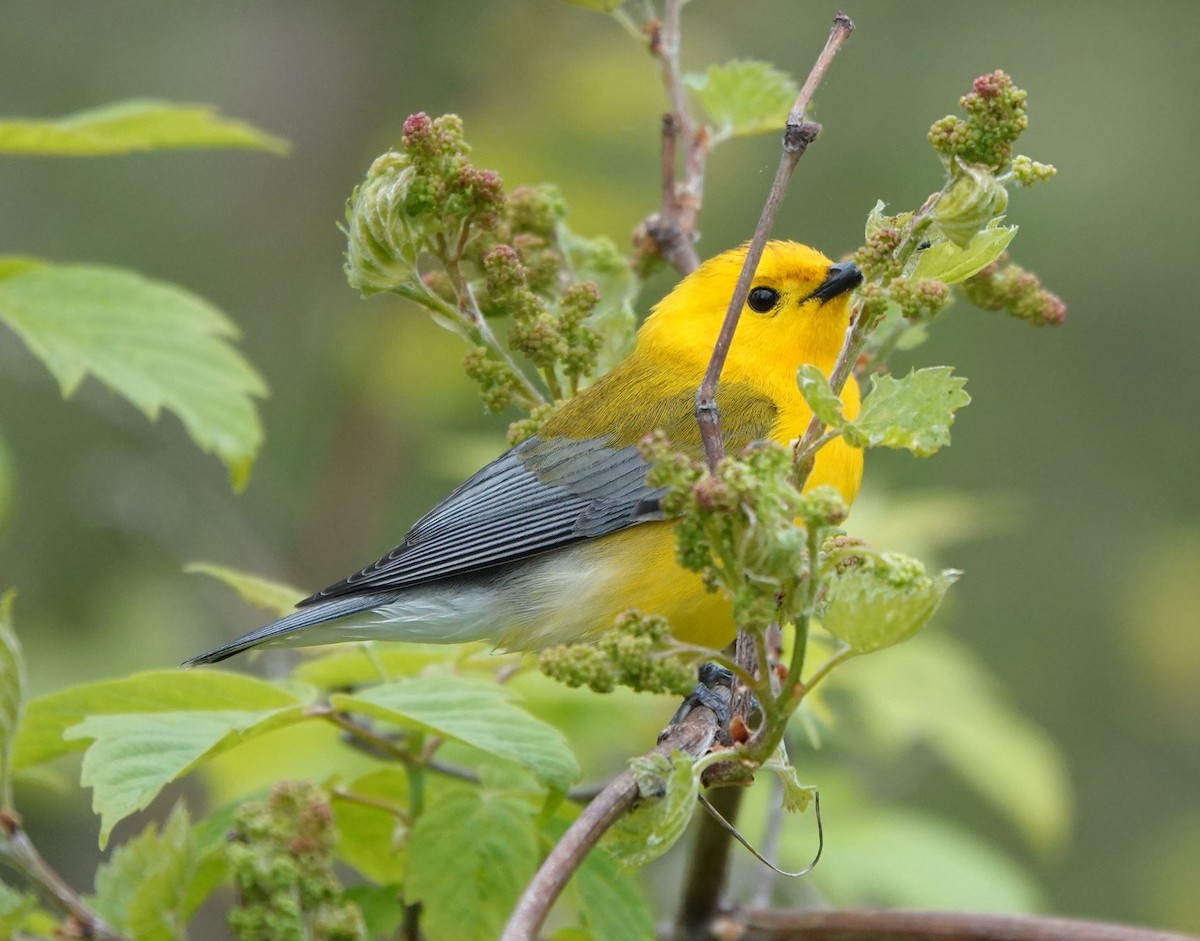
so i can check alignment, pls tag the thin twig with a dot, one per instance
(796, 138)
(792, 925)
(673, 227)
(694, 734)
(19, 852)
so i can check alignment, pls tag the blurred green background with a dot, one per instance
(1084, 600)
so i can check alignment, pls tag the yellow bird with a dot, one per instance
(553, 539)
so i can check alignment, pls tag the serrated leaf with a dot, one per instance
(40, 737)
(796, 796)
(472, 851)
(133, 756)
(871, 607)
(669, 789)
(12, 690)
(933, 697)
(141, 889)
(914, 413)
(946, 262)
(744, 97)
(153, 343)
(814, 386)
(478, 714)
(135, 125)
(371, 839)
(253, 589)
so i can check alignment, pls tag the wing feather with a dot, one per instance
(545, 493)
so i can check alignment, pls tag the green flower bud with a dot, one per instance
(382, 241)
(972, 200)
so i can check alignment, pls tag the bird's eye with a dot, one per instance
(762, 299)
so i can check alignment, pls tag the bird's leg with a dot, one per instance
(711, 677)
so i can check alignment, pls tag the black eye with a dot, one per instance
(762, 299)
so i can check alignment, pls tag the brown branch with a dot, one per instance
(767, 924)
(708, 869)
(19, 852)
(796, 137)
(672, 230)
(694, 734)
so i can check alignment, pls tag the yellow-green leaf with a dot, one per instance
(669, 788)
(135, 125)
(914, 413)
(12, 688)
(947, 262)
(471, 853)
(273, 596)
(40, 736)
(744, 97)
(156, 344)
(478, 714)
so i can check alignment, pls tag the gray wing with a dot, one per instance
(542, 494)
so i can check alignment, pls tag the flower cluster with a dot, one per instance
(636, 653)
(996, 117)
(281, 854)
(1011, 288)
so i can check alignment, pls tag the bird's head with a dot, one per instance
(797, 312)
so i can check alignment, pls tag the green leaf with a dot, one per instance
(381, 907)
(612, 903)
(133, 756)
(669, 788)
(883, 601)
(946, 262)
(472, 851)
(895, 858)
(744, 97)
(475, 713)
(600, 6)
(18, 264)
(47, 718)
(371, 839)
(157, 345)
(15, 908)
(914, 413)
(796, 796)
(127, 126)
(814, 386)
(275, 597)
(12, 689)
(934, 697)
(143, 888)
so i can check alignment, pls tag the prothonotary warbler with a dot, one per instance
(553, 539)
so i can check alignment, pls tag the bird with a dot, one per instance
(554, 539)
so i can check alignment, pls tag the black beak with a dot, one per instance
(841, 278)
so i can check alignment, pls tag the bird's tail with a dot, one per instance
(283, 632)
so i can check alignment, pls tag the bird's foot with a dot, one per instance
(712, 677)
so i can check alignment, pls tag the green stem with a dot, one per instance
(837, 659)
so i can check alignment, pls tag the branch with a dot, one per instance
(769, 924)
(796, 138)
(694, 734)
(708, 869)
(18, 850)
(673, 228)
